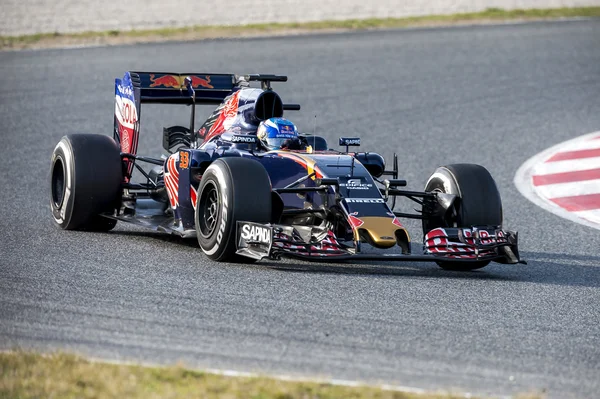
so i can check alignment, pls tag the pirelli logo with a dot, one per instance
(365, 200)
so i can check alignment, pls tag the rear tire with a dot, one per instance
(85, 181)
(478, 203)
(231, 190)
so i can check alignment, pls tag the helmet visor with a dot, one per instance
(274, 143)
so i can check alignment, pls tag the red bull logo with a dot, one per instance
(175, 81)
(197, 81)
(165, 81)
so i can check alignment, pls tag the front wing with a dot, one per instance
(475, 244)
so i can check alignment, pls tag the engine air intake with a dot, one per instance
(268, 105)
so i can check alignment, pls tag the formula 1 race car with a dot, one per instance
(245, 202)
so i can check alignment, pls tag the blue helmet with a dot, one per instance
(275, 132)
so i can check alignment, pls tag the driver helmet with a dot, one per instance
(276, 133)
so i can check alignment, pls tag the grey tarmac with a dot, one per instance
(492, 95)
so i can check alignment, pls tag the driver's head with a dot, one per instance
(277, 133)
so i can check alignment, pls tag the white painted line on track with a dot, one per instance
(569, 189)
(570, 165)
(589, 143)
(592, 216)
(563, 179)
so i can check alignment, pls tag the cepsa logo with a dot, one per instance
(356, 184)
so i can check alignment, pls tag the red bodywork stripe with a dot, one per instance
(173, 168)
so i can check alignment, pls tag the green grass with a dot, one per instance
(204, 32)
(29, 375)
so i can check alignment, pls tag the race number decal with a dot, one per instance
(184, 159)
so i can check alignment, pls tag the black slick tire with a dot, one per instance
(478, 203)
(232, 189)
(85, 181)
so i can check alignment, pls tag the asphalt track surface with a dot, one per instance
(491, 95)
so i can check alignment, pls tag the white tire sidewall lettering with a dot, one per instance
(447, 181)
(222, 187)
(66, 156)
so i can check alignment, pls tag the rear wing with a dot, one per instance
(170, 88)
(137, 88)
(210, 88)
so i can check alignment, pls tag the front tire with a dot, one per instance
(231, 190)
(85, 181)
(478, 203)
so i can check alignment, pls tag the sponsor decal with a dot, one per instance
(171, 81)
(125, 90)
(125, 140)
(438, 242)
(255, 240)
(126, 112)
(177, 81)
(126, 120)
(356, 184)
(284, 136)
(197, 81)
(483, 235)
(243, 139)
(350, 141)
(126, 115)
(256, 233)
(223, 219)
(365, 200)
